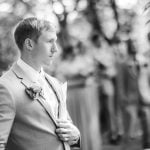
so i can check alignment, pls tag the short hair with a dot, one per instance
(30, 28)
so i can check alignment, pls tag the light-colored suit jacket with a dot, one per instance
(27, 124)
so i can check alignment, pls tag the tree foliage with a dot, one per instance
(106, 19)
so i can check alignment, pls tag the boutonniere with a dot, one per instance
(34, 91)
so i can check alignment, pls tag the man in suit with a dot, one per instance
(33, 113)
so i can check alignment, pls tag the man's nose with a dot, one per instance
(54, 48)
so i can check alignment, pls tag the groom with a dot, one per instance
(33, 113)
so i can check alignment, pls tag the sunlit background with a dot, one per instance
(77, 20)
(94, 38)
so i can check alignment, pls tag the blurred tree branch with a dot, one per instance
(93, 18)
(116, 15)
(147, 6)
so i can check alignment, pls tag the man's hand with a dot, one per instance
(67, 132)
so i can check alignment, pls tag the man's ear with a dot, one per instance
(29, 44)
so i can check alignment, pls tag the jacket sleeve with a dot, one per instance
(7, 114)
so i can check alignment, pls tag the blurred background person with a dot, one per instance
(128, 92)
(144, 88)
(106, 72)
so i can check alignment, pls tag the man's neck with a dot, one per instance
(32, 63)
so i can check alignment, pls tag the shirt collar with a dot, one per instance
(32, 73)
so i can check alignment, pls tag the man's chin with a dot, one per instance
(48, 63)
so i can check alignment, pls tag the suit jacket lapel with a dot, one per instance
(25, 80)
(58, 91)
